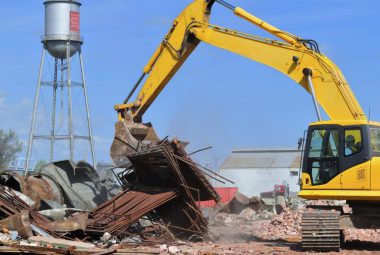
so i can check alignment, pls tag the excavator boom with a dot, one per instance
(294, 57)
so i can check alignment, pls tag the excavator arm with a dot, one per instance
(298, 59)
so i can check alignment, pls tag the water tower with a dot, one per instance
(62, 41)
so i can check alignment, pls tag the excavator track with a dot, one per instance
(320, 230)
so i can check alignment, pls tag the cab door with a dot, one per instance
(375, 160)
(355, 163)
(322, 159)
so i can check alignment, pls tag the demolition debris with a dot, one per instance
(167, 167)
(64, 201)
(117, 215)
(66, 208)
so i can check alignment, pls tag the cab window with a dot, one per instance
(352, 142)
(323, 163)
(375, 139)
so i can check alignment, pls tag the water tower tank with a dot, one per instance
(62, 25)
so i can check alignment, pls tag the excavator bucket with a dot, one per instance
(129, 138)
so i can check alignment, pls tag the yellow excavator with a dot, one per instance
(341, 156)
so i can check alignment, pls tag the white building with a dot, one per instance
(256, 170)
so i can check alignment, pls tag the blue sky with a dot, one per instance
(216, 98)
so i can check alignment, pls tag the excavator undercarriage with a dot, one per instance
(323, 225)
(320, 229)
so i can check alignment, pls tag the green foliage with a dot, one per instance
(9, 147)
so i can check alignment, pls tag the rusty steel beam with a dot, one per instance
(118, 214)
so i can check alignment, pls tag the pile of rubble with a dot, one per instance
(363, 235)
(66, 208)
(263, 225)
(286, 226)
(247, 219)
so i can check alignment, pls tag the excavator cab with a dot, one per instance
(340, 156)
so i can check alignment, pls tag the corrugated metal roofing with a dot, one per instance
(263, 158)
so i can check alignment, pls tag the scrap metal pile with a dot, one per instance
(166, 167)
(117, 215)
(14, 211)
(157, 201)
(163, 164)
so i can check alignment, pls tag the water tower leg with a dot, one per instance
(31, 136)
(87, 109)
(62, 68)
(70, 103)
(52, 132)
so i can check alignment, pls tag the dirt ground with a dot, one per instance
(261, 247)
(237, 240)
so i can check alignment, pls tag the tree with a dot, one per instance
(9, 147)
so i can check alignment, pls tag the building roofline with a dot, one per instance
(265, 149)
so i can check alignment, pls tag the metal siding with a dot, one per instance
(58, 18)
(251, 182)
(62, 25)
(269, 158)
(226, 194)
